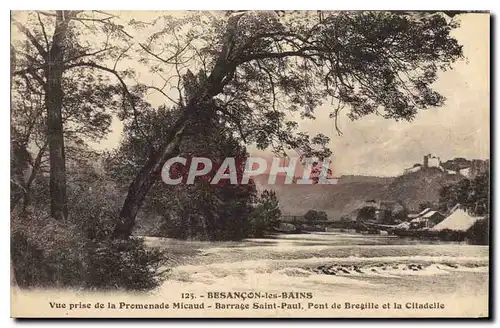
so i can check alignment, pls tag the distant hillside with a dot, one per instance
(419, 187)
(364, 179)
(336, 200)
(351, 192)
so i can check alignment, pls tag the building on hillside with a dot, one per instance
(459, 165)
(465, 167)
(415, 168)
(428, 161)
(431, 161)
(465, 172)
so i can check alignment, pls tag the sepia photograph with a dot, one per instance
(250, 164)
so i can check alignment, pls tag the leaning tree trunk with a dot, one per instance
(221, 74)
(53, 101)
(143, 182)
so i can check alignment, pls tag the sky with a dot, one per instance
(381, 147)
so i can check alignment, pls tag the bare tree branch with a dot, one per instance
(31, 38)
(166, 61)
(88, 54)
(43, 32)
(121, 55)
(160, 90)
(124, 87)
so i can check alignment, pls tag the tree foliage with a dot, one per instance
(56, 55)
(62, 99)
(229, 79)
(313, 215)
(472, 194)
(265, 214)
(202, 210)
(277, 63)
(479, 233)
(367, 213)
(252, 70)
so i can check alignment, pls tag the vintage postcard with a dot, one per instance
(250, 164)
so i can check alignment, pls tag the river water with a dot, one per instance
(335, 267)
(302, 275)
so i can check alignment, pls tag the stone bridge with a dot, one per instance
(299, 221)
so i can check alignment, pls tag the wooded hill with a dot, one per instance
(352, 192)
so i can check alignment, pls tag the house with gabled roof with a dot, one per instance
(458, 220)
(426, 219)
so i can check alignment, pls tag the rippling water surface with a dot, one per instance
(329, 264)
(362, 275)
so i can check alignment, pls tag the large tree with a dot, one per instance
(86, 116)
(254, 67)
(201, 210)
(57, 65)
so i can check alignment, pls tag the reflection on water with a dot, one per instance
(329, 263)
